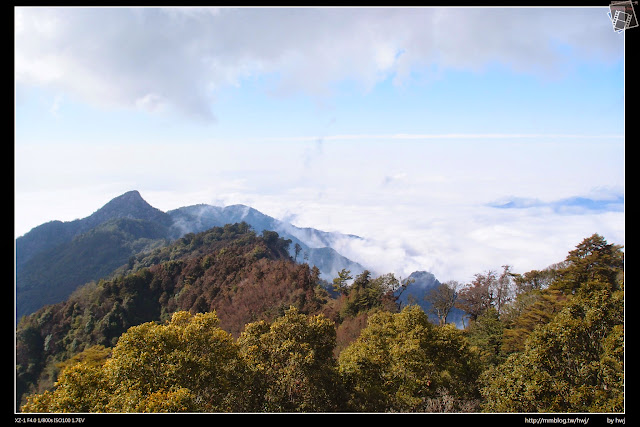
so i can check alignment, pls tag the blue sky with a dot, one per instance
(450, 137)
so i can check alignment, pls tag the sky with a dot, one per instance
(455, 140)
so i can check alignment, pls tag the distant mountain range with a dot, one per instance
(316, 246)
(55, 258)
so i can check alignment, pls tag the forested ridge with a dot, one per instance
(226, 321)
(55, 258)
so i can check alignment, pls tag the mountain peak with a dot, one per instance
(132, 194)
(128, 205)
(131, 200)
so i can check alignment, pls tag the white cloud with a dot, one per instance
(56, 105)
(150, 102)
(119, 56)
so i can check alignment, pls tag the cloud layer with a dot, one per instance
(420, 205)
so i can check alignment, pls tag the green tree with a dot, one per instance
(340, 283)
(534, 280)
(296, 249)
(366, 293)
(401, 362)
(486, 333)
(274, 241)
(530, 310)
(575, 363)
(595, 263)
(292, 363)
(188, 363)
(29, 359)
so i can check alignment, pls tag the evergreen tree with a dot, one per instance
(594, 263)
(340, 283)
(575, 363)
(487, 334)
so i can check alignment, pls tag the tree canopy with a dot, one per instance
(543, 341)
(186, 364)
(401, 362)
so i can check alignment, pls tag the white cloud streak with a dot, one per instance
(454, 136)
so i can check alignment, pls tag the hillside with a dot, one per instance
(51, 234)
(53, 259)
(230, 270)
(52, 274)
(316, 246)
(302, 350)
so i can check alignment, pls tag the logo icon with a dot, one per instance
(622, 15)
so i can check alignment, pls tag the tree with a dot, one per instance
(534, 280)
(575, 363)
(362, 280)
(340, 283)
(95, 355)
(274, 241)
(535, 308)
(366, 293)
(443, 299)
(297, 248)
(389, 285)
(29, 358)
(503, 289)
(401, 362)
(487, 334)
(478, 296)
(83, 387)
(187, 364)
(292, 363)
(595, 263)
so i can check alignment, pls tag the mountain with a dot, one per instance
(231, 270)
(53, 273)
(52, 234)
(53, 259)
(423, 283)
(316, 245)
(83, 283)
(129, 205)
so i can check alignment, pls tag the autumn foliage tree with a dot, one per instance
(478, 296)
(443, 299)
